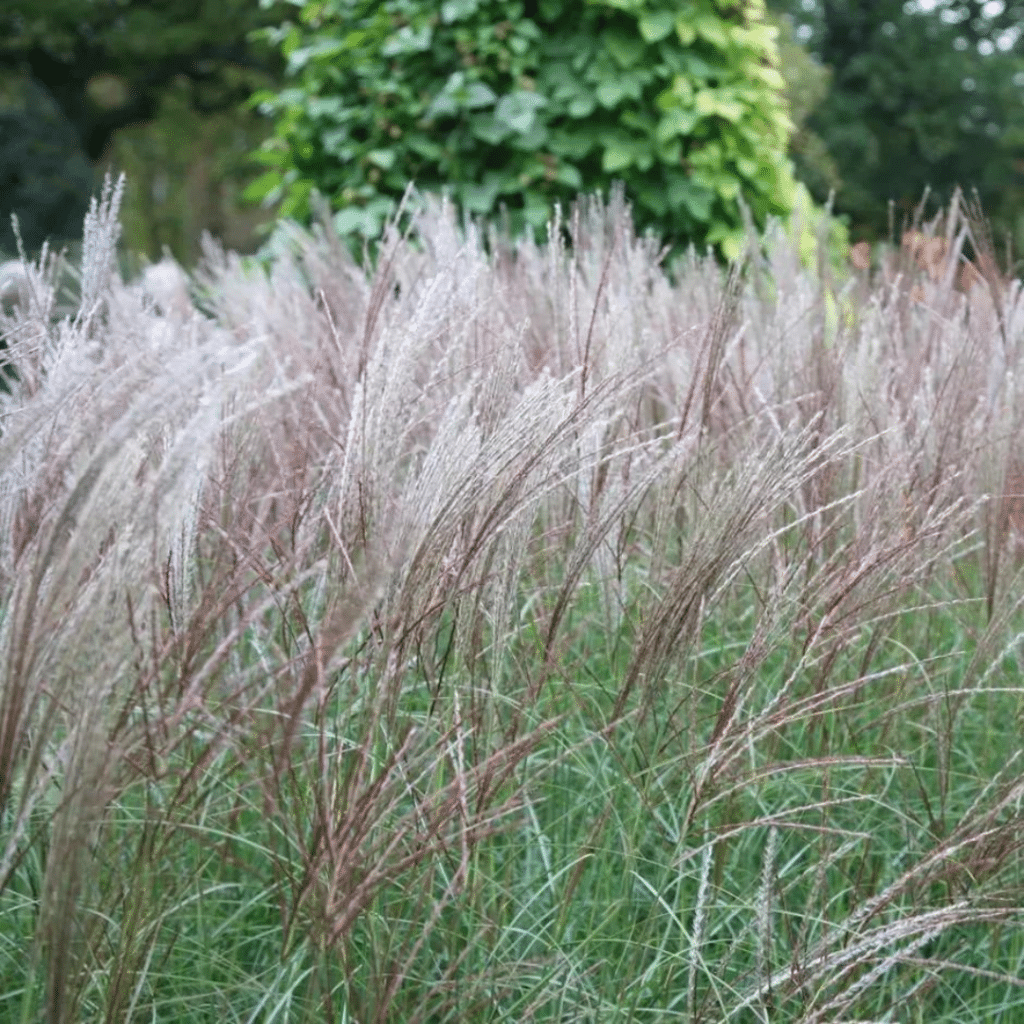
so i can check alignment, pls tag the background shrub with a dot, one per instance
(518, 105)
(44, 179)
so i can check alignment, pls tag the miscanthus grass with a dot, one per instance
(508, 633)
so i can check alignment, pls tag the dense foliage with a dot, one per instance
(106, 64)
(517, 105)
(44, 176)
(918, 99)
(75, 74)
(808, 82)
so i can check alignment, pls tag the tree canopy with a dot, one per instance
(74, 73)
(105, 62)
(920, 97)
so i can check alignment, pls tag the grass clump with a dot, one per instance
(508, 633)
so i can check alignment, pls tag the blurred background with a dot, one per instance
(887, 98)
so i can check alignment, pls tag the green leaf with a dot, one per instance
(382, 158)
(480, 199)
(709, 156)
(536, 210)
(518, 110)
(348, 220)
(627, 85)
(712, 103)
(425, 146)
(365, 220)
(639, 121)
(567, 174)
(685, 31)
(697, 67)
(487, 128)
(518, 44)
(479, 95)
(629, 6)
(609, 92)
(571, 145)
(582, 106)
(671, 152)
(443, 105)
(746, 166)
(626, 50)
(296, 202)
(652, 198)
(291, 41)
(458, 94)
(693, 197)
(408, 40)
(557, 78)
(769, 75)
(718, 180)
(271, 155)
(656, 26)
(676, 123)
(679, 95)
(712, 30)
(728, 238)
(645, 158)
(617, 157)
(263, 187)
(731, 245)
(529, 142)
(457, 10)
(302, 55)
(338, 143)
(333, 107)
(760, 38)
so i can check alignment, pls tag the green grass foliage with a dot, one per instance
(510, 634)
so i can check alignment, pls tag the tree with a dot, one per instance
(808, 82)
(44, 176)
(517, 104)
(920, 97)
(106, 62)
(75, 73)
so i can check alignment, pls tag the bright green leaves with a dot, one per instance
(625, 48)
(680, 101)
(686, 194)
(612, 91)
(458, 10)
(685, 31)
(676, 122)
(561, 80)
(518, 110)
(382, 158)
(656, 26)
(718, 103)
(634, 7)
(408, 40)
(459, 94)
(708, 27)
(622, 150)
(265, 186)
(480, 198)
(322, 49)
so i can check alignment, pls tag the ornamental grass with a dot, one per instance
(506, 632)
